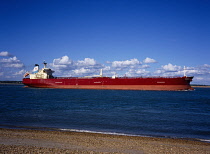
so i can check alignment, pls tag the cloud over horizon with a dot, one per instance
(67, 67)
(11, 68)
(132, 67)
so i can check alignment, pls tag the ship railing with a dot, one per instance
(64, 77)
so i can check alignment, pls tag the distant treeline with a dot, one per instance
(10, 82)
(199, 85)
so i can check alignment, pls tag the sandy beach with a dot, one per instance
(36, 141)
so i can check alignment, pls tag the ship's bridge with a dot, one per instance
(44, 73)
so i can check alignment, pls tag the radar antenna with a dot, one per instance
(45, 64)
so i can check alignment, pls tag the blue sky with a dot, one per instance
(127, 37)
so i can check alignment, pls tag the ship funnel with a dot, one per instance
(36, 68)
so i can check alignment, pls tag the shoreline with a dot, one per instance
(40, 141)
(46, 129)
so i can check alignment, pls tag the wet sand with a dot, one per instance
(36, 141)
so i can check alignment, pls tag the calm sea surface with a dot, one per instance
(180, 114)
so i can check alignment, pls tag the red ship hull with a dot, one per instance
(150, 83)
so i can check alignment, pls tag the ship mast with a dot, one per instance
(45, 64)
(185, 72)
(101, 73)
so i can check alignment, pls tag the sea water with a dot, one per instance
(176, 114)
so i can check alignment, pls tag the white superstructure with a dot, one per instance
(44, 73)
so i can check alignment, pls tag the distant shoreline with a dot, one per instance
(200, 86)
(11, 84)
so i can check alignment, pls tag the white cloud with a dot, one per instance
(149, 60)
(66, 63)
(158, 72)
(138, 72)
(10, 60)
(58, 66)
(169, 70)
(171, 67)
(21, 72)
(66, 66)
(82, 71)
(5, 54)
(205, 80)
(126, 63)
(14, 65)
(10, 66)
(199, 78)
(206, 65)
(142, 72)
(87, 62)
(89, 66)
(62, 61)
(145, 66)
(201, 73)
(106, 68)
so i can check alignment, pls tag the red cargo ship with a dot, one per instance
(44, 79)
